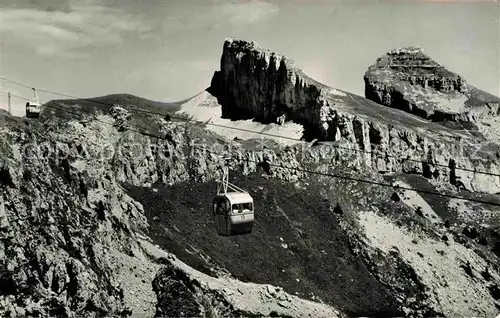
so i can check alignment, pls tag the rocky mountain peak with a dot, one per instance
(254, 82)
(407, 50)
(408, 79)
(408, 59)
(412, 65)
(243, 47)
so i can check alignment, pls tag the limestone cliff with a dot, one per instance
(255, 83)
(409, 80)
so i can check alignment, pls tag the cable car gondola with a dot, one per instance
(233, 210)
(33, 107)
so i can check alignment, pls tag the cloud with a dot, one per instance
(44, 5)
(213, 14)
(68, 34)
(69, 28)
(248, 12)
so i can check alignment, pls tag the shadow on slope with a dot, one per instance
(296, 242)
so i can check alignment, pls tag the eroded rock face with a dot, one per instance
(180, 296)
(176, 294)
(55, 231)
(255, 82)
(409, 80)
(387, 148)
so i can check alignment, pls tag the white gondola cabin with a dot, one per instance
(233, 211)
(33, 107)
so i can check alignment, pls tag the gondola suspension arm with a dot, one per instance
(224, 184)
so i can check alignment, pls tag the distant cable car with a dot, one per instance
(33, 107)
(233, 211)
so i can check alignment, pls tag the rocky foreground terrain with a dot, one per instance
(105, 205)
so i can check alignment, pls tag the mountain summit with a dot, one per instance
(409, 80)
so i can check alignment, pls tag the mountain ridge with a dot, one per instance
(119, 212)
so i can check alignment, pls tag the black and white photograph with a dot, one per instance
(249, 158)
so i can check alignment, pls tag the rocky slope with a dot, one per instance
(408, 79)
(58, 225)
(73, 240)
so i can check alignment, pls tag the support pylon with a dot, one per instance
(8, 103)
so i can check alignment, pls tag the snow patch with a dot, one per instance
(445, 102)
(337, 92)
(79, 165)
(414, 200)
(204, 107)
(450, 102)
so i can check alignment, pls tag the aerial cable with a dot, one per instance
(15, 95)
(330, 175)
(251, 131)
